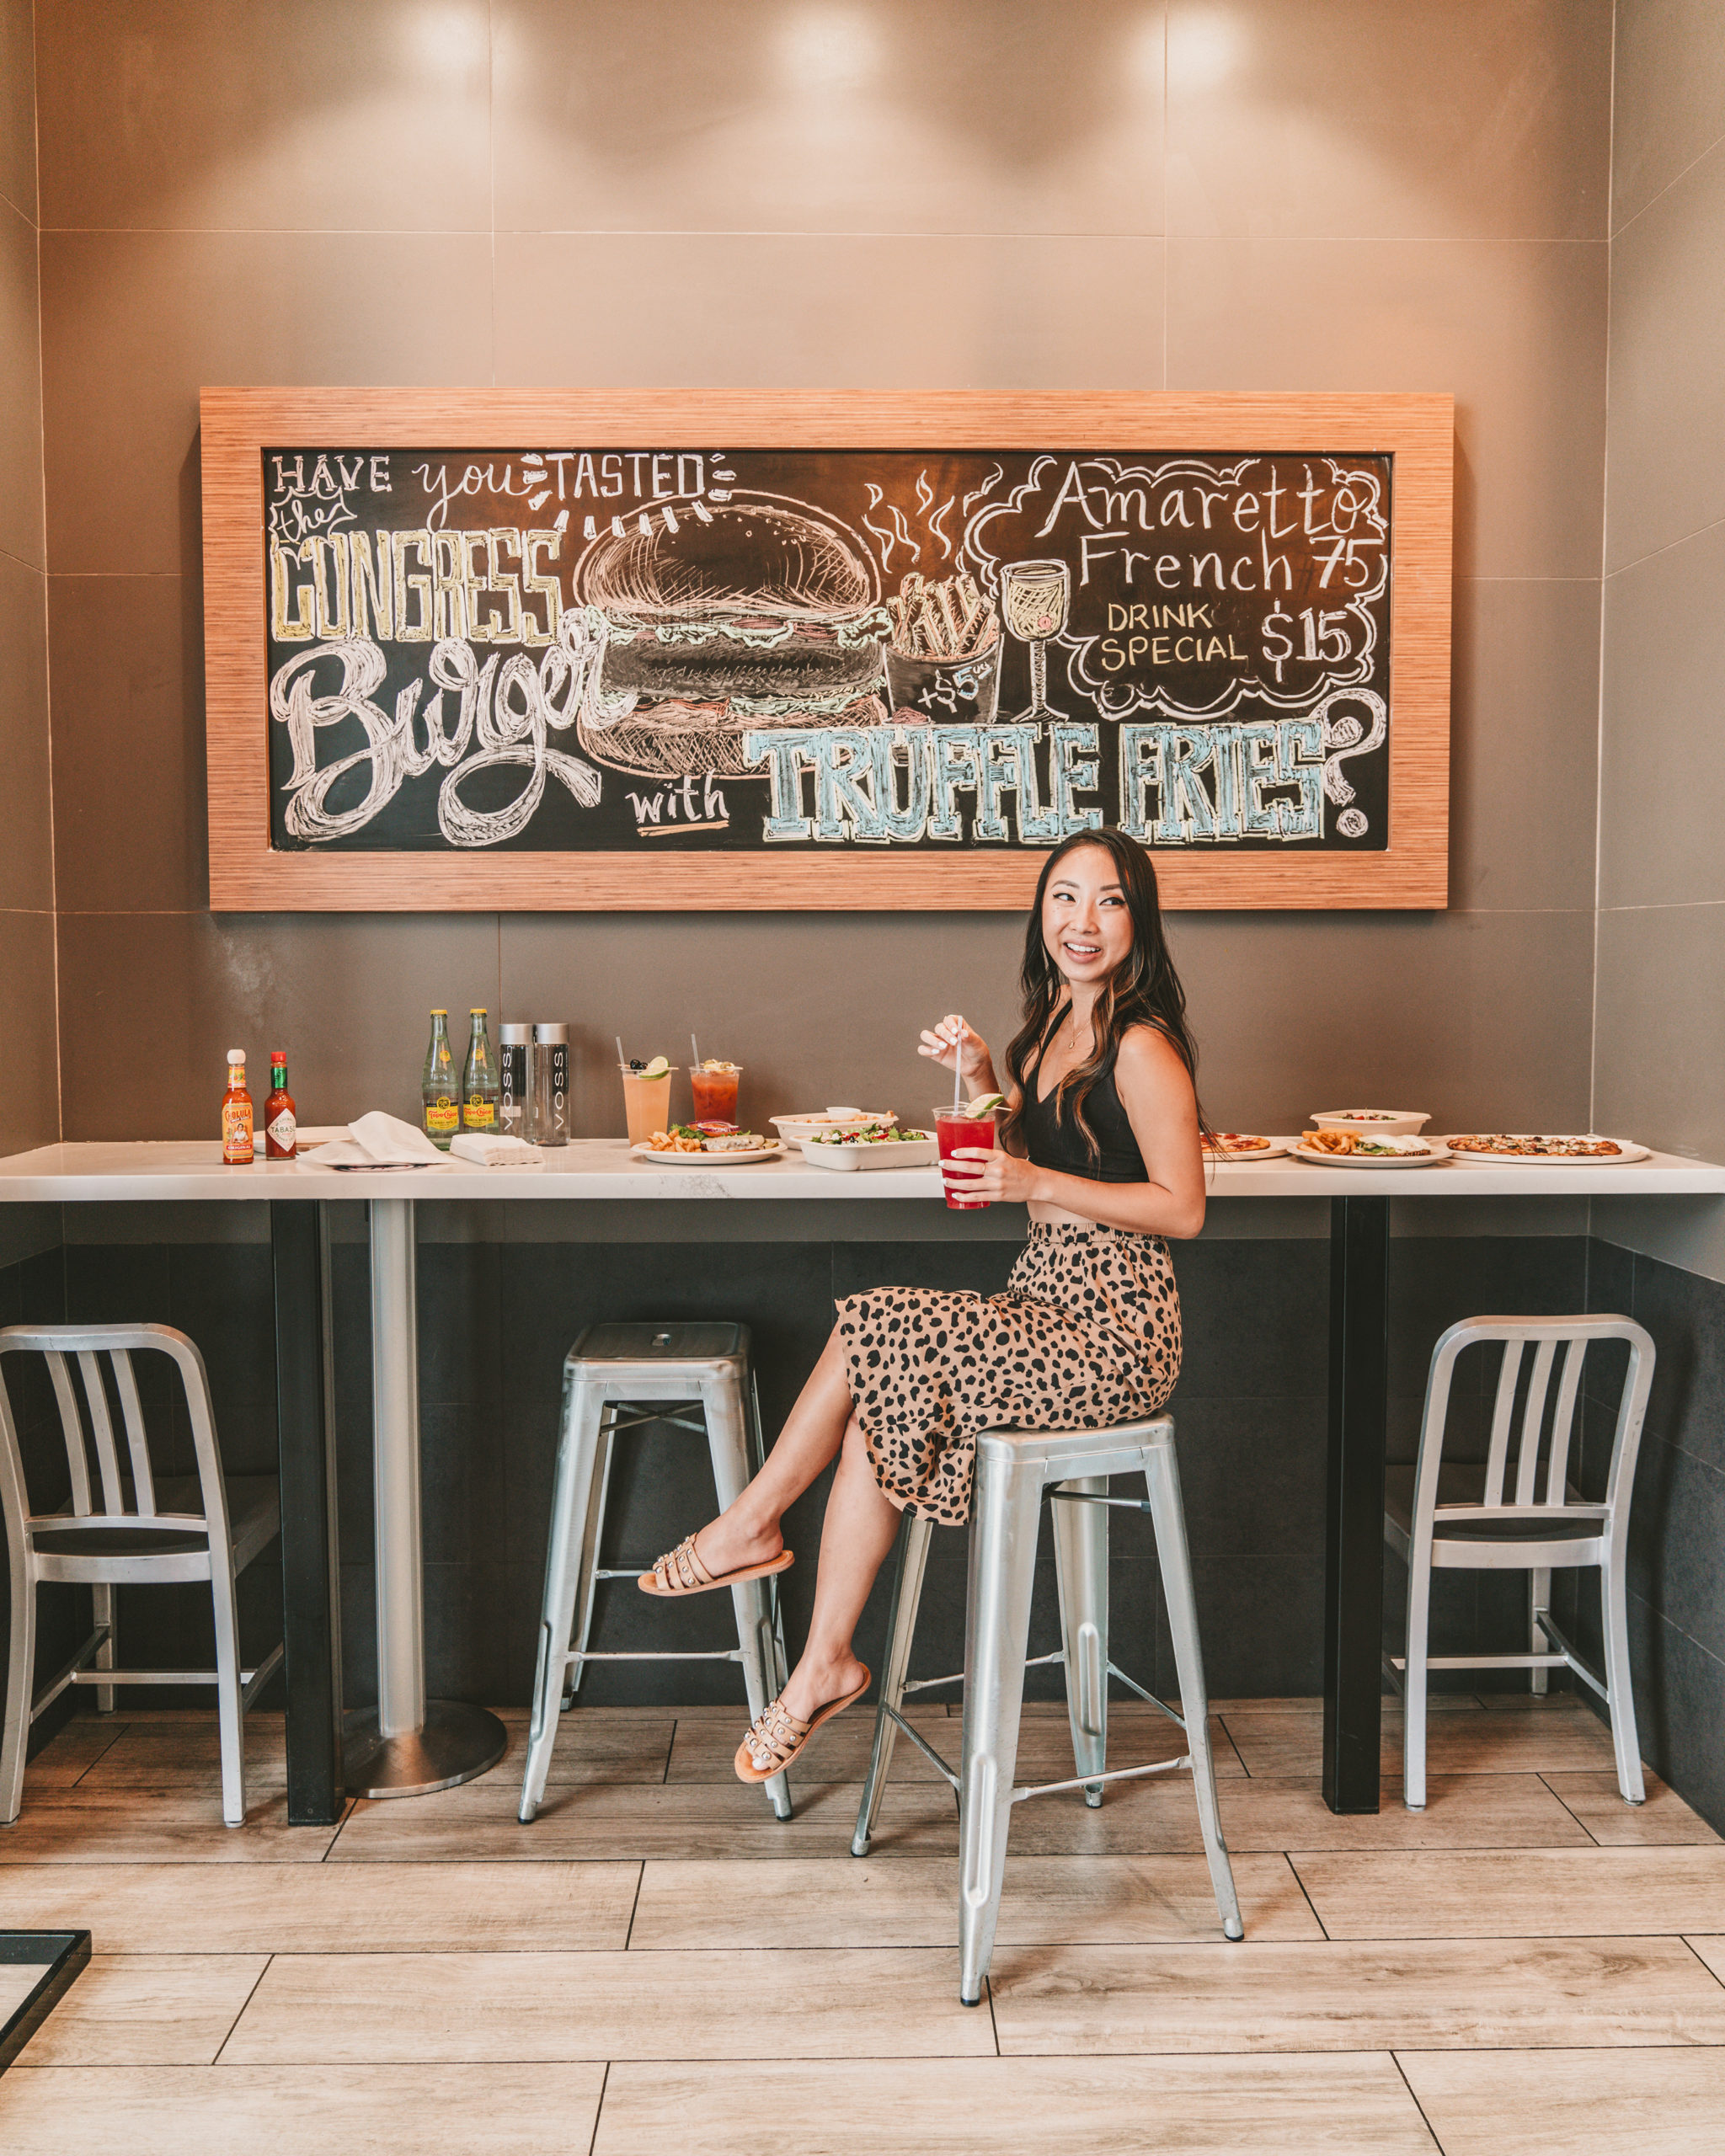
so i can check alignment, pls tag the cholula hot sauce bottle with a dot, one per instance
(280, 1123)
(237, 1113)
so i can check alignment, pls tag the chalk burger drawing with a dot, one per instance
(753, 612)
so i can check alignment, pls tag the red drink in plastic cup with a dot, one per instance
(954, 1127)
(715, 1093)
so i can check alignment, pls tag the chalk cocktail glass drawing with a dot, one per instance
(1035, 597)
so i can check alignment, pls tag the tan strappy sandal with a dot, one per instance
(681, 1572)
(777, 1737)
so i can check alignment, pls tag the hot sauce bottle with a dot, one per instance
(280, 1124)
(237, 1114)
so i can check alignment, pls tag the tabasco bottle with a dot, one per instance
(280, 1124)
(479, 1079)
(441, 1086)
(237, 1113)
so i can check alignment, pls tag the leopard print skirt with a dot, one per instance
(1087, 1334)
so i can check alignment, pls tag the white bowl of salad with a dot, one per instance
(818, 1123)
(1373, 1123)
(874, 1146)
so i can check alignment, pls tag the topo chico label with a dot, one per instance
(443, 1115)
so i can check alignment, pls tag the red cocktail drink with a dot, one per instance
(715, 1092)
(955, 1128)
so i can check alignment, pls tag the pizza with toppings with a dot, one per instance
(1528, 1146)
(1235, 1141)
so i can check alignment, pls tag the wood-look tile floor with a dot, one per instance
(1528, 1966)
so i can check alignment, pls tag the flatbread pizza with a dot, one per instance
(1530, 1146)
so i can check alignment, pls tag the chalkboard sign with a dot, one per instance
(873, 671)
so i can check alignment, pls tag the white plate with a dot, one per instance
(890, 1153)
(794, 1129)
(1386, 1123)
(1630, 1152)
(1274, 1150)
(1435, 1159)
(705, 1160)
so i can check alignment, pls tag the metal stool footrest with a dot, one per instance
(1014, 1471)
(661, 1654)
(696, 1378)
(947, 1774)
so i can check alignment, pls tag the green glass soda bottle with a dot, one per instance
(439, 1088)
(479, 1079)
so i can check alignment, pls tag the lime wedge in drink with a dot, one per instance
(657, 1068)
(984, 1103)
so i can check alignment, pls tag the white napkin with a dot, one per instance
(496, 1150)
(377, 1141)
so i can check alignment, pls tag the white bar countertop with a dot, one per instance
(602, 1168)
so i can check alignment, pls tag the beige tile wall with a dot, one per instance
(1659, 1029)
(30, 1082)
(1351, 193)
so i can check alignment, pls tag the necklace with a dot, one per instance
(1070, 1027)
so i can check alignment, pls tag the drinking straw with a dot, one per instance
(958, 1067)
(621, 1064)
(694, 1052)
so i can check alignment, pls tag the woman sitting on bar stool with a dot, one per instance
(1101, 1138)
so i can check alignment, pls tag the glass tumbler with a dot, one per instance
(715, 1092)
(646, 1103)
(954, 1127)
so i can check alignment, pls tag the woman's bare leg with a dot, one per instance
(861, 1523)
(747, 1532)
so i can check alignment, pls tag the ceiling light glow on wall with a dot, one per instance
(447, 37)
(830, 48)
(1206, 47)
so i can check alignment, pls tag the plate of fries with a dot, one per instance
(1346, 1149)
(684, 1146)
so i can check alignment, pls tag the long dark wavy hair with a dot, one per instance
(1143, 990)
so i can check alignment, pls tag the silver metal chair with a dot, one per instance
(1013, 1468)
(615, 1378)
(1459, 1518)
(145, 1531)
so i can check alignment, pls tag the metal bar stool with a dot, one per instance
(615, 1378)
(1013, 1468)
(1463, 1518)
(127, 1525)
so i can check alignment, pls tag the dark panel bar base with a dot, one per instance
(1354, 1591)
(305, 1427)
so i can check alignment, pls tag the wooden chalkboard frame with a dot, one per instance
(246, 875)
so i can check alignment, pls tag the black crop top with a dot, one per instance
(1053, 1141)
